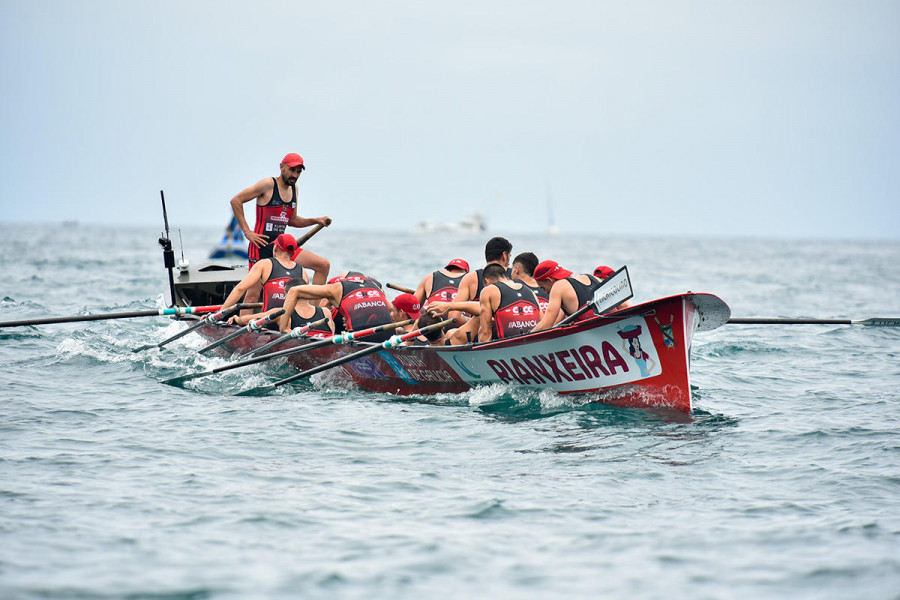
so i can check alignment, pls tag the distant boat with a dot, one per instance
(552, 227)
(233, 244)
(474, 223)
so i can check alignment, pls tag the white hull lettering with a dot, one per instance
(565, 365)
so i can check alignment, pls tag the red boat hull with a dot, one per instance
(636, 358)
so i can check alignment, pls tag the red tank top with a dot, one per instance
(443, 288)
(272, 220)
(273, 287)
(517, 313)
(363, 304)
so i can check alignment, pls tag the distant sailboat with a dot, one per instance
(233, 244)
(552, 228)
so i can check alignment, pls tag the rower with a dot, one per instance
(432, 338)
(357, 300)
(508, 308)
(443, 284)
(403, 308)
(305, 312)
(270, 275)
(523, 270)
(568, 292)
(497, 251)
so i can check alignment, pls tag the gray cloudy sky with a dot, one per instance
(773, 118)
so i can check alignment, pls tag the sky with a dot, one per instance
(759, 118)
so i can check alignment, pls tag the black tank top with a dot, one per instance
(319, 331)
(517, 313)
(443, 288)
(583, 292)
(480, 273)
(272, 220)
(542, 297)
(273, 287)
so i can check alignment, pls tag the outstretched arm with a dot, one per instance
(473, 307)
(256, 275)
(329, 292)
(298, 221)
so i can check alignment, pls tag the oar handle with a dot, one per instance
(312, 232)
(348, 336)
(400, 288)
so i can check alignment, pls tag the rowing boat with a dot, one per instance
(636, 358)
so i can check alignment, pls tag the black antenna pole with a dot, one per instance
(168, 254)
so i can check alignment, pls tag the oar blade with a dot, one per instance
(880, 322)
(262, 390)
(177, 381)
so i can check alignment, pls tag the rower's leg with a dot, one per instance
(319, 265)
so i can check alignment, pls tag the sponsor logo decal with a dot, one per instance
(366, 368)
(397, 367)
(465, 369)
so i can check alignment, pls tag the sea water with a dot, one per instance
(783, 483)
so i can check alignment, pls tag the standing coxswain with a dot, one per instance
(276, 209)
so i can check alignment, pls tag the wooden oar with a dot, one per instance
(296, 332)
(393, 342)
(211, 318)
(255, 325)
(312, 232)
(874, 321)
(178, 310)
(340, 338)
(400, 288)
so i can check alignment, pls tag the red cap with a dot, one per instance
(458, 263)
(293, 160)
(550, 269)
(603, 272)
(286, 242)
(408, 304)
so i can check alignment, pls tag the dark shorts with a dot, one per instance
(258, 254)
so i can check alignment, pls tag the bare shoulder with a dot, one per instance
(262, 190)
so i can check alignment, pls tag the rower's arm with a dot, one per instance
(253, 277)
(473, 307)
(244, 319)
(424, 287)
(330, 292)
(490, 298)
(254, 192)
(553, 313)
(298, 221)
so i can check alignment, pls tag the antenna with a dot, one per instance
(168, 254)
